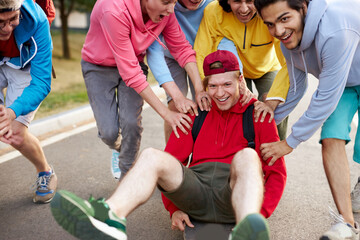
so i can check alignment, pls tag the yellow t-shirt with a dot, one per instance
(259, 52)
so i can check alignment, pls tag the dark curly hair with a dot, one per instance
(224, 4)
(294, 4)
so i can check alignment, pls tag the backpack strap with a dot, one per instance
(248, 126)
(198, 122)
(49, 9)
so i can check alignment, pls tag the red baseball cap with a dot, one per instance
(228, 60)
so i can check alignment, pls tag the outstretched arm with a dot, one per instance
(174, 119)
(202, 98)
(274, 150)
(162, 74)
(274, 175)
(182, 104)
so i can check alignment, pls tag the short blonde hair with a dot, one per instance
(10, 5)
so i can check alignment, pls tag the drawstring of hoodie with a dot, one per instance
(156, 38)
(306, 71)
(217, 130)
(292, 68)
(226, 123)
(218, 127)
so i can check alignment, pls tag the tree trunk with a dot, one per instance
(64, 30)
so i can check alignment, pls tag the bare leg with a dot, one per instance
(151, 168)
(29, 146)
(246, 182)
(338, 174)
(167, 127)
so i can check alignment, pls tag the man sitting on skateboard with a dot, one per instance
(226, 181)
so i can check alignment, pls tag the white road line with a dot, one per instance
(51, 140)
(54, 139)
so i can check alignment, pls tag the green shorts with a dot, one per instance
(205, 193)
(338, 125)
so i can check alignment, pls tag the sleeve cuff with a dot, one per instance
(276, 98)
(164, 79)
(292, 141)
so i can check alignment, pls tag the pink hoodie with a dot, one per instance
(118, 37)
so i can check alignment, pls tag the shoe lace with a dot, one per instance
(337, 218)
(356, 192)
(42, 182)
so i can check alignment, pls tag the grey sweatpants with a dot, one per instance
(117, 110)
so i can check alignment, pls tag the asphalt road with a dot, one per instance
(82, 163)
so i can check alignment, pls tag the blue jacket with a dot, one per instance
(189, 21)
(329, 50)
(33, 39)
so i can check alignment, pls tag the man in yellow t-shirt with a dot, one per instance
(259, 52)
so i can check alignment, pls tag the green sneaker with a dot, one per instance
(91, 219)
(252, 227)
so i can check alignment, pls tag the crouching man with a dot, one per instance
(25, 72)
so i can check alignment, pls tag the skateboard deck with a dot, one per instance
(208, 231)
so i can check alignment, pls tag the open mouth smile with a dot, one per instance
(222, 99)
(195, 2)
(286, 37)
(244, 14)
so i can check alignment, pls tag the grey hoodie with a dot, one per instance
(330, 50)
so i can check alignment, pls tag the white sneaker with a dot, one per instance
(355, 197)
(341, 230)
(115, 170)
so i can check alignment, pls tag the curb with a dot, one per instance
(69, 119)
(61, 120)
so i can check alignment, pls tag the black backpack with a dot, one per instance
(248, 125)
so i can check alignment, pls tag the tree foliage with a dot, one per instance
(65, 8)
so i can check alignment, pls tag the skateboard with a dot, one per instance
(208, 231)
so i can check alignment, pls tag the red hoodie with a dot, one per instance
(219, 139)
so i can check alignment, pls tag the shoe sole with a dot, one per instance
(253, 227)
(332, 237)
(42, 201)
(356, 210)
(73, 215)
(115, 170)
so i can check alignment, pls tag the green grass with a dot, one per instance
(64, 99)
(68, 90)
